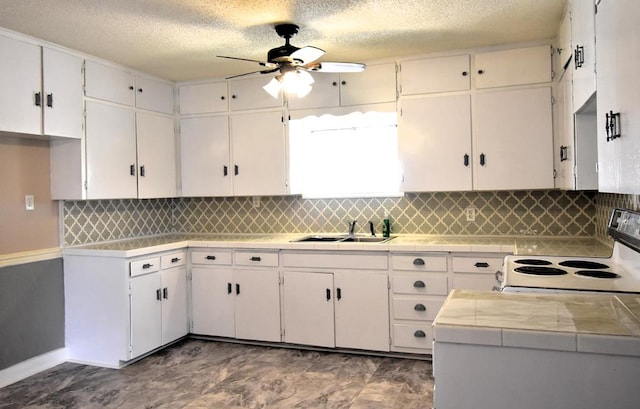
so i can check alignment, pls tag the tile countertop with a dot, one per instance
(607, 323)
(529, 245)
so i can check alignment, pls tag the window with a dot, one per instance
(354, 155)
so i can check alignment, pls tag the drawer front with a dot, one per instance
(420, 284)
(369, 261)
(416, 308)
(413, 335)
(255, 258)
(487, 265)
(480, 283)
(145, 266)
(176, 259)
(419, 262)
(212, 257)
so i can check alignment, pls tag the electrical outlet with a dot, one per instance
(470, 212)
(29, 202)
(256, 201)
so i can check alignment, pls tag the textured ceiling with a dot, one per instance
(179, 39)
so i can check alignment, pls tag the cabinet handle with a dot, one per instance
(563, 153)
(339, 293)
(236, 170)
(334, 83)
(344, 82)
(165, 293)
(175, 260)
(210, 257)
(223, 97)
(237, 289)
(466, 160)
(146, 266)
(418, 262)
(132, 169)
(142, 171)
(420, 307)
(498, 275)
(481, 264)
(328, 294)
(419, 284)
(158, 295)
(229, 288)
(233, 97)
(464, 73)
(482, 159)
(37, 99)
(131, 87)
(480, 72)
(225, 170)
(578, 56)
(140, 90)
(255, 258)
(50, 100)
(612, 125)
(419, 334)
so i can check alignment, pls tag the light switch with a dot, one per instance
(29, 203)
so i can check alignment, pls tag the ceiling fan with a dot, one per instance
(294, 65)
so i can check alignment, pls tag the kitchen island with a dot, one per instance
(498, 350)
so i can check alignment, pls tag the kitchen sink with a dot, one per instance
(321, 239)
(368, 239)
(342, 239)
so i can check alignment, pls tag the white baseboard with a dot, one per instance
(32, 366)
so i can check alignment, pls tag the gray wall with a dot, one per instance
(31, 310)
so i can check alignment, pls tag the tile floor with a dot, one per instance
(207, 374)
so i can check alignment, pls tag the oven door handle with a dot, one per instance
(499, 276)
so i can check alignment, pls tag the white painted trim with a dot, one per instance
(32, 366)
(32, 256)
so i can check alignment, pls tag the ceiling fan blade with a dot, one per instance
(254, 72)
(263, 63)
(306, 55)
(336, 67)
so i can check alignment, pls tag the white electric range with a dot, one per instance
(619, 273)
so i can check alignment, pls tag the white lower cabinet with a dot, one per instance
(234, 300)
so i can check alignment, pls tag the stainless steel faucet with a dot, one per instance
(352, 227)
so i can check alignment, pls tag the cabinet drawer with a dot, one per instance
(147, 265)
(420, 284)
(369, 261)
(216, 257)
(487, 265)
(416, 308)
(419, 262)
(480, 283)
(255, 258)
(413, 336)
(176, 259)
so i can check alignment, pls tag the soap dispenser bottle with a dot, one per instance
(386, 225)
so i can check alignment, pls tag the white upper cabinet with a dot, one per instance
(156, 156)
(584, 51)
(114, 84)
(62, 86)
(247, 93)
(41, 90)
(429, 75)
(434, 142)
(513, 140)
(618, 59)
(518, 66)
(376, 84)
(206, 162)
(203, 98)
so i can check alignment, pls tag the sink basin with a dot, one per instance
(367, 239)
(321, 239)
(342, 239)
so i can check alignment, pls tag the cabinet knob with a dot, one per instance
(419, 284)
(223, 98)
(464, 73)
(131, 87)
(419, 334)
(334, 83)
(140, 90)
(233, 97)
(344, 82)
(480, 72)
(210, 257)
(420, 307)
(418, 262)
(255, 258)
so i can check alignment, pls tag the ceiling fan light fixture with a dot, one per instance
(273, 88)
(291, 82)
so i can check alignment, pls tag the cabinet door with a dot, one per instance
(203, 98)
(62, 85)
(212, 302)
(362, 311)
(513, 140)
(584, 51)
(257, 305)
(259, 154)
(564, 149)
(529, 65)
(154, 95)
(434, 143)
(618, 58)
(377, 83)
(156, 156)
(248, 94)
(21, 96)
(324, 94)
(174, 304)
(204, 147)
(429, 75)
(111, 152)
(308, 309)
(109, 83)
(146, 313)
